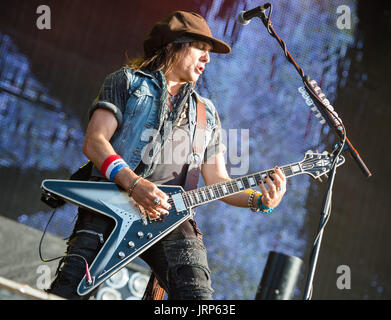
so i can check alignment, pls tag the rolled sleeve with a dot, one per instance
(113, 95)
(108, 106)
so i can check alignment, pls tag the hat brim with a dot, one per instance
(218, 45)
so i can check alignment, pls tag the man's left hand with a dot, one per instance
(276, 188)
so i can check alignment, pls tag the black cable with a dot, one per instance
(62, 256)
(269, 26)
(43, 235)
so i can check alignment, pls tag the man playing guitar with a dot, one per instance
(154, 97)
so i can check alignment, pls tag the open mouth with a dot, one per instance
(200, 69)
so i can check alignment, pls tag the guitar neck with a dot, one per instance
(223, 189)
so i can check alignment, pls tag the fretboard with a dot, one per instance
(220, 190)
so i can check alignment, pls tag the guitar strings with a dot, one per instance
(216, 189)
(214, 192)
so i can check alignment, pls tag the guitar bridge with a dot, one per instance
(178, 202)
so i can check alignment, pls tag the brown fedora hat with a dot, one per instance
(181, 24)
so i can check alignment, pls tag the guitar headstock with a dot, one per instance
(319, 164)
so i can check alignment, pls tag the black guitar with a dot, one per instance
(134, 232)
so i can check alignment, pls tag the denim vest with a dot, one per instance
(143, 117)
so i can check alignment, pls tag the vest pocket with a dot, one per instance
(140, 101)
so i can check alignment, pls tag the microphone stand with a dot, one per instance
(324, 217)
(343, 145)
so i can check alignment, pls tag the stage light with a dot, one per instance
(108, 293)
(129, 283)
(137, 284)
(118, 280)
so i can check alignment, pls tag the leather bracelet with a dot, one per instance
(131, 188)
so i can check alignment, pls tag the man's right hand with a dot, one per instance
(144, 193)
(97, 148)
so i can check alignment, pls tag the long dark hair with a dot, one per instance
(162, 60)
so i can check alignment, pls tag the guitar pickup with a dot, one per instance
(178, 202)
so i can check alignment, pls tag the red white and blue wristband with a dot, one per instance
(112, 165)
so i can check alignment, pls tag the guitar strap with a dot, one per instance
(154, 291)
(195, 161)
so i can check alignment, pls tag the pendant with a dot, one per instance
(194, 158)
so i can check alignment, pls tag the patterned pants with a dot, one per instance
(178, 261)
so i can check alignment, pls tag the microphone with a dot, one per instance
(244, 17)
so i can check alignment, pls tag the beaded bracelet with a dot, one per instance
(131, 188)
(251, 201)
(262, 207)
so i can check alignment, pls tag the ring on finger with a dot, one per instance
(156, 201)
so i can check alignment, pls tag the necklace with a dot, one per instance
(182, 116)
(172, 99)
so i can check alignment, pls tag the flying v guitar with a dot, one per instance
(134, 232)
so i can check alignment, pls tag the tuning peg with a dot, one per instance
(328, 105)
(323, 175)
(322, 96)
(315, 86)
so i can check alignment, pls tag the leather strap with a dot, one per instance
(194, 169)
(153, 291)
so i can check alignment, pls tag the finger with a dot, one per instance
(271, 185)
(163, 199)
(153, 213)
(162, 211)
(280, 173)
(142, 210)
(150, 212)
(162, 207)
(165, 205)
(264, 190)
(278, 182)
(154, 200)
(282, 180)
(162, 203)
